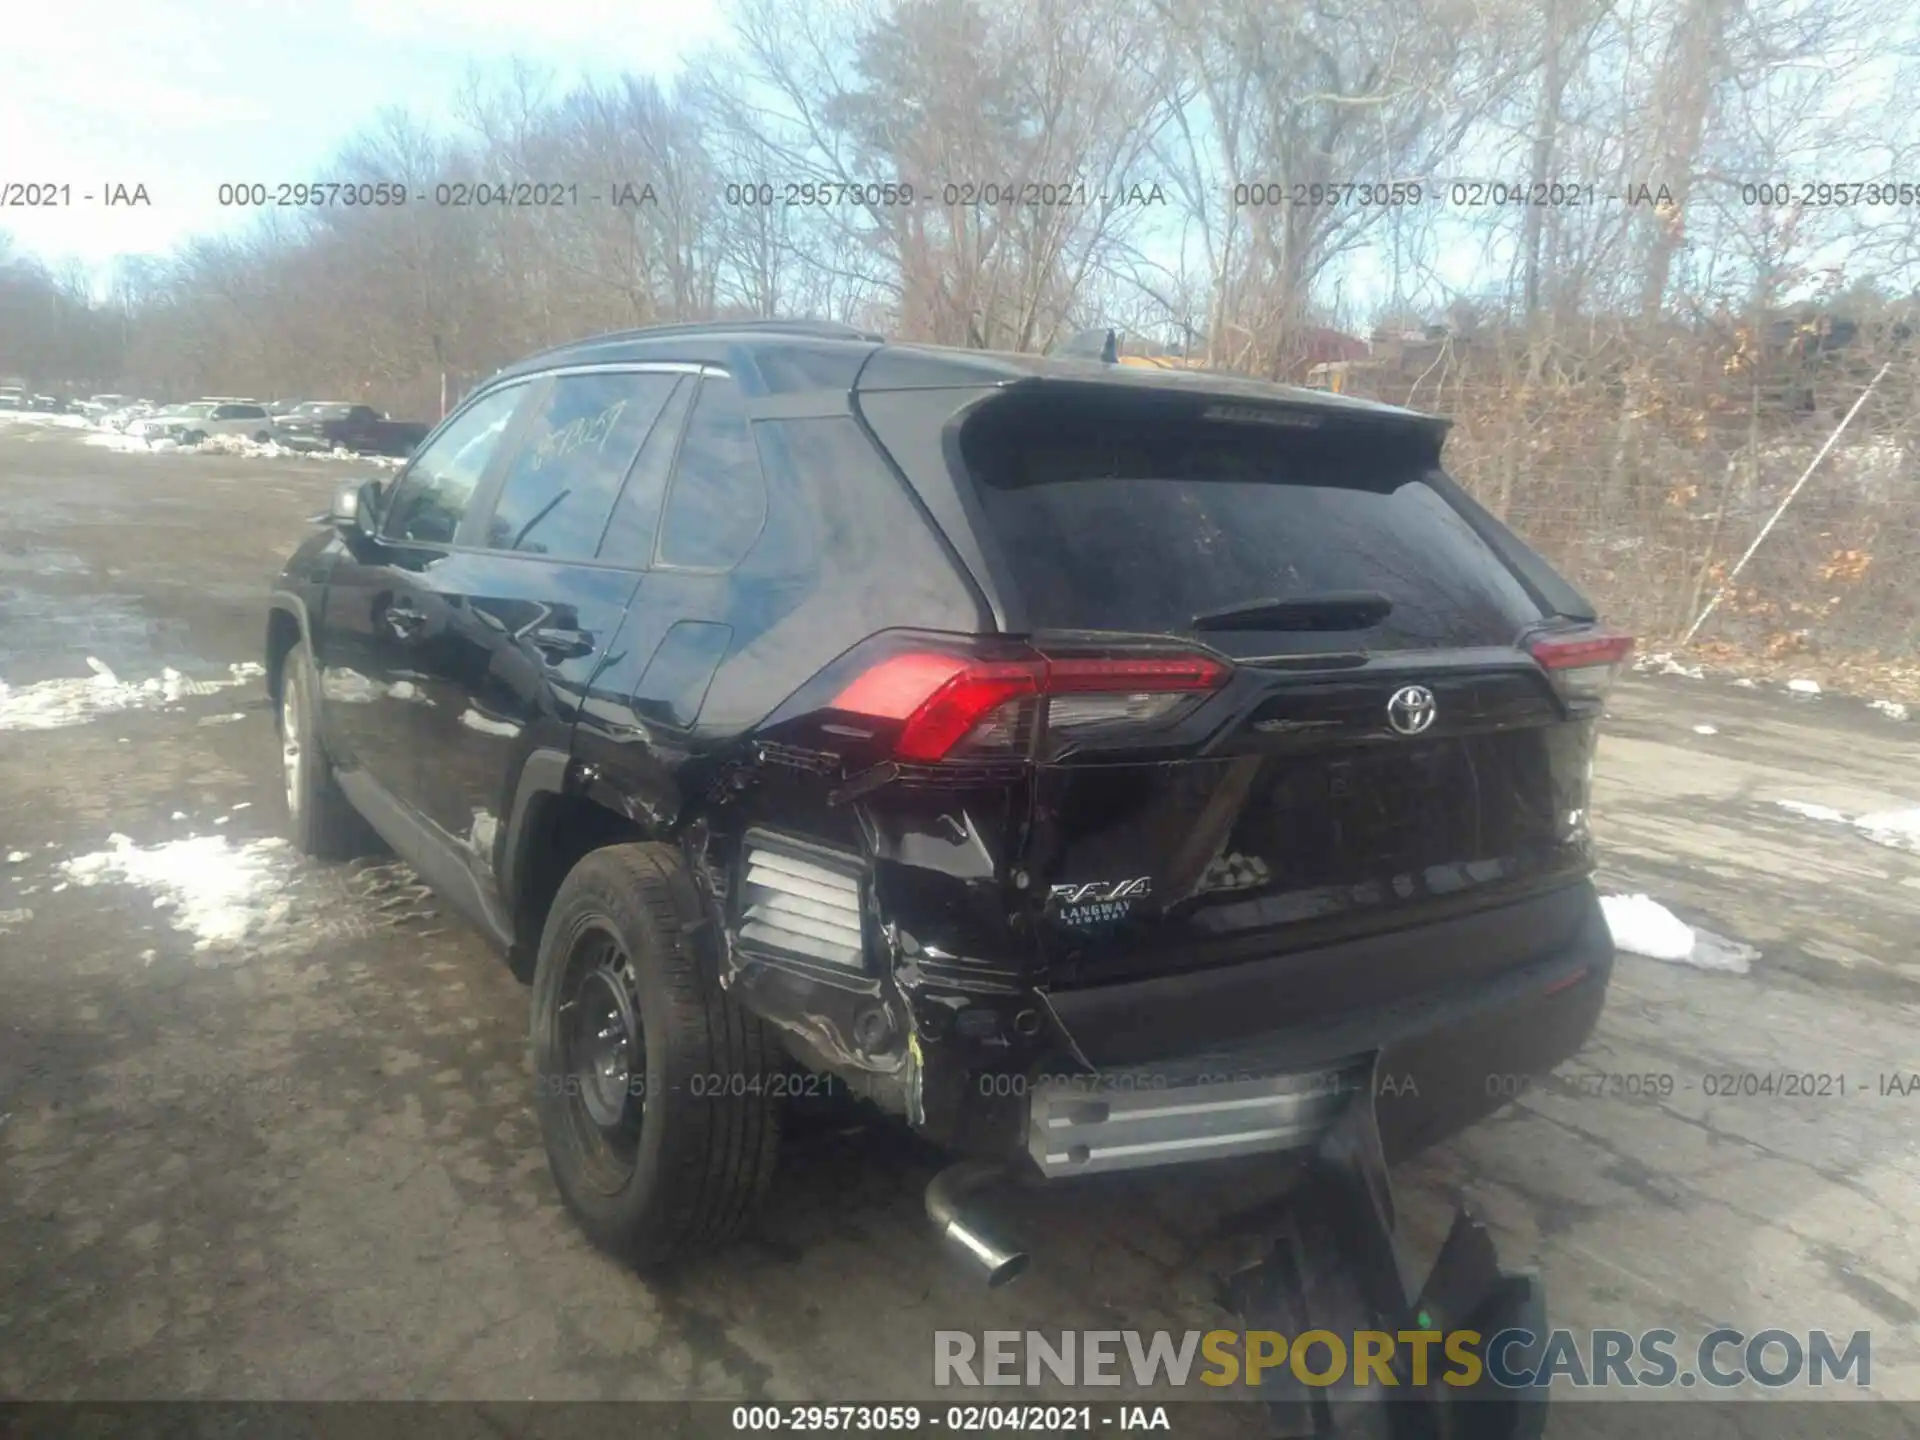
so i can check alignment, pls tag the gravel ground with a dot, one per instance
(304, 1166)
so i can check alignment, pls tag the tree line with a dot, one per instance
(1596, 216)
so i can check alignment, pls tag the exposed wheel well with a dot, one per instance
(283, 633)
(561, 829)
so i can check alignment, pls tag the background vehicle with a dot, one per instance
(168, 422)
(125, 415)
(12, 398)
(98, 405)
(330, 424)
(205, 418)
(1093, 766)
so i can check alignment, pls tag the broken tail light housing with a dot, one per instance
(1582, 664)
(952, 706)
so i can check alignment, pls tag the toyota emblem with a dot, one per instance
(1411, 710)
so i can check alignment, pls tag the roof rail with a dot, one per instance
(820, 329)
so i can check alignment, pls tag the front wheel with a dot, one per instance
(650, 1082)
(262, 438)
(194, 437)
(324, 822)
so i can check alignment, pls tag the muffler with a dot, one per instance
(947, 1194)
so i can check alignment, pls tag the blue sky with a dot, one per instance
(181, 95)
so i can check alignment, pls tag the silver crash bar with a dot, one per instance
(1128, 1120)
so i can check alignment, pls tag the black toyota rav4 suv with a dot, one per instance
(1080, 762)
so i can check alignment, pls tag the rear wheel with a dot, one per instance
(323, 821)
(262, 437)
(650, 1082)
(193, 437)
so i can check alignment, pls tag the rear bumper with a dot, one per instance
(1438, 1062)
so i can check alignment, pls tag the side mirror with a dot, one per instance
(355, 508)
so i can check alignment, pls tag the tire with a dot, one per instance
(322, 821)
(637, 1056)
(194, 437)
(263, 438)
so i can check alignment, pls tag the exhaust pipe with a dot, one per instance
(947, 1192)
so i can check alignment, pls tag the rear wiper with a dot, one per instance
(1329, 610)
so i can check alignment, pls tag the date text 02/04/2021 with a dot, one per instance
(955, 1419)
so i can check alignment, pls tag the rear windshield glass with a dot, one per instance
(1143, 521)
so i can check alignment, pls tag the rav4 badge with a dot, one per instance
(1092, 902)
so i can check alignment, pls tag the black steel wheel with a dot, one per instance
(650, 1081)
(603, 1050)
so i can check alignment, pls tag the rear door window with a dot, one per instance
(570, 460)
(1111, 519)
(635, 524)
(718, 500)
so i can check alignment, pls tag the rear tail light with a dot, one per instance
(952, 707)
(1582, 663)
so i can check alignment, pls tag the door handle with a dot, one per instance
(557, 643)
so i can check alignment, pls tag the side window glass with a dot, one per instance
(636, 515)
(572, 456)
(718, 500)
(433, 494)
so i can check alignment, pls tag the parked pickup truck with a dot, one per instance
(330, 425)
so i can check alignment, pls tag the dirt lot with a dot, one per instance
(304, 1166)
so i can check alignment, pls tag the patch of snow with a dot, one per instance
(1706, 730)
(482, 833)
(221, 893)
(51, 704)
(243, 445)
(126, 444)
(1804, 687)
(44, 419)
(344, 686)
(11, 918)
(1746, 683)
(14, 857)
(474, 720)
(1896, 829)
(1892, 709)
(1811, 811)
(1899, 829)
(382, 462)
(1661, 662)
(1643, 926)
(178, 815)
